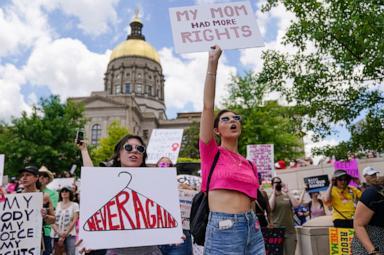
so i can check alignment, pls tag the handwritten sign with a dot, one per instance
(21, 224)
(164, 143)
(130, 209)
(186, 197)
(193, 181)
(1, 168)
(350, 166)
(340, 240)
(59, 183)
(317, 183)
(262, 155)
(230, 25)
(273, 240)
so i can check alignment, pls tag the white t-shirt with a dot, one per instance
(64, 218)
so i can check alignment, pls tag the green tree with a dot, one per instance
(45, 137)
(107, 144)
(190, 142)
(264, 123)
(338, 67)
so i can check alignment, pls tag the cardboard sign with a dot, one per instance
(350, 166)
(21, 224)
(262, 155)
(193, 181)
(59, 183)
(1, 168)
(317, 183)
(230, 25)
(273, 240)
(340, 240)
(164, 143)
(129, 207)
(186, 197)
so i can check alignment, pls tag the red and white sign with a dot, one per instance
(230, 25)
(130, 207)
(164, 143)
(262, 155)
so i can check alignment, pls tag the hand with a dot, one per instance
(284, 188)
(82, 250)
(43, 213)
(215, 53)
(82, 145)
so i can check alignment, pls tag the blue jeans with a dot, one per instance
(47, 245)
(184, 248)
(233, 234)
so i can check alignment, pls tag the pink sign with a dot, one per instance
(351, 167)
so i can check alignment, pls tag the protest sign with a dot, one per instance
(230, 25)
(1, 168)
(186, 197)
(317, 183)
(273, 240)
(262, 155)
(21, 224)
(193, 181)
(340, 240)
(164, 143)
(59, 183)
(134, 207)
(351, 166)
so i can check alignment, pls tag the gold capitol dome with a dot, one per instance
(135, 45)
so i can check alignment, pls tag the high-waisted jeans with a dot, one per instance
(233, 234)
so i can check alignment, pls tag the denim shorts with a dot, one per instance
(233, 234)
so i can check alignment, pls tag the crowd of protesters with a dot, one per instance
(239, 206)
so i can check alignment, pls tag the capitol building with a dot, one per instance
(133, 92)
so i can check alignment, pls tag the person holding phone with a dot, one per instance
(233, 227)
(282, 204)
(343, 199)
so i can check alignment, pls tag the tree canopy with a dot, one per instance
(45, 137)
(337, 71)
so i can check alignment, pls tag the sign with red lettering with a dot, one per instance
(164, 143)
(129, 207)
(340, 240)
(262, 155)
(230, 25)
(21, 224)
(273, 240)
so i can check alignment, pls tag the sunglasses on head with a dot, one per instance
(138, 148)
(164, 164)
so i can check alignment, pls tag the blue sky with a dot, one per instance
(63, 47)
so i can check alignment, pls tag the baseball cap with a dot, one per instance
(30, 169)
(370, 171)
(44, 171)
(339, 173)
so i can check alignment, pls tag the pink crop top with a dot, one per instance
(232, 171)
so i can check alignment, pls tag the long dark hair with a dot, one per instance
(114, 160)
(71, 195)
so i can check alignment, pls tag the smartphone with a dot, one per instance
(79, 136)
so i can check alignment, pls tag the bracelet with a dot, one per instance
(210, 73)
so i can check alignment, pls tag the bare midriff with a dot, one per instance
(228, 201)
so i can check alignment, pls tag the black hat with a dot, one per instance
(30, 169)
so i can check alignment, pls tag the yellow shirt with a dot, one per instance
(344, 201)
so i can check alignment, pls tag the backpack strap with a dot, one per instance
(212, 168)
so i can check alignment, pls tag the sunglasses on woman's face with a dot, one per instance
(139, 148)
(226, 119)
(164, 164)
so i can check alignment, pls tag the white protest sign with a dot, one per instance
(262, 155)
(230, 25)
(193, 181)
(164, 143)
(129, 207)
(59, 183)
(1, 168)
(186, 197)
(21, 224)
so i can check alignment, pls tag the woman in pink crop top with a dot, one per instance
(232, 227)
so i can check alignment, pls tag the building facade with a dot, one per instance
(133, 92)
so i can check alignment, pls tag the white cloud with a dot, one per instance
(22, 24)
(184, 78)
(67, 67)
(12, 102)
(94, 16)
